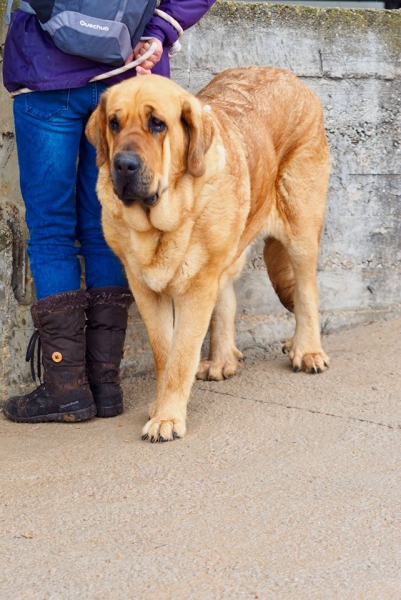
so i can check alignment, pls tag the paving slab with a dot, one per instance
(286, 486)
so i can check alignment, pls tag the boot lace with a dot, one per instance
(30, 356)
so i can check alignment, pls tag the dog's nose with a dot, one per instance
(126, 163)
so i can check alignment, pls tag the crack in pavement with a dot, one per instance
(309, 410)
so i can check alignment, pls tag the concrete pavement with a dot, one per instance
(287, 486)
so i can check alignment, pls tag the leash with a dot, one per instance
(172, 51)
(130, 65)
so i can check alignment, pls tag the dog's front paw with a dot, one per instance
(163, 430)
(217, 370)
(301, 360)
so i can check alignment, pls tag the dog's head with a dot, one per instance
(149, 132)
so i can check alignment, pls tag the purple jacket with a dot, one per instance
(32, 60)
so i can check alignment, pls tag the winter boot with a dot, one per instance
(65, 394)
(107, 317)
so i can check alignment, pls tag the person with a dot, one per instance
(81, 331)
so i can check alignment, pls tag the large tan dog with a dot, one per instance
(186, 183)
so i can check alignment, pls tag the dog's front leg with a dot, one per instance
(168, 412)
(156, 310)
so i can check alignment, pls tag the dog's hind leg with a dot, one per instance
(304, 349)
(292, 262)
(280, 272)
(223, 355)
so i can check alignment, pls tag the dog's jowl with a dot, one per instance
(186, 183)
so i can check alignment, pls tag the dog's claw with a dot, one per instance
(164, 430)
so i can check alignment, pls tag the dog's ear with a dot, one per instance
(199, 127)
(96, 131)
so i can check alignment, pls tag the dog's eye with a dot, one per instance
(156, 125)
(114, 126)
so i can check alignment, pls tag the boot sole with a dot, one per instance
(105, 412)
(71, 417)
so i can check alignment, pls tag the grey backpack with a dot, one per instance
(105, 32)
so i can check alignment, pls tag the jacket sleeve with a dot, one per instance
(186, 12)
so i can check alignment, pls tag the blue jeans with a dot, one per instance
(58, 176)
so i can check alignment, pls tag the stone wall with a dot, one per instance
(352, 60)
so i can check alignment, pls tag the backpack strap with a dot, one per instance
(26, 7)
(8, 11)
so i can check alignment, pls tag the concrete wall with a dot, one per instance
(352, 59)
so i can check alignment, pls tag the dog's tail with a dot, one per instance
(280, 272)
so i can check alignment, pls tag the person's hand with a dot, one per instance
(143, 46)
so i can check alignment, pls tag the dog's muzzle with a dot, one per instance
(131, 180)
